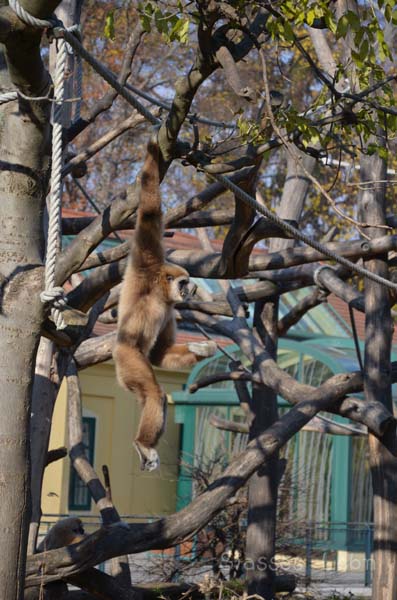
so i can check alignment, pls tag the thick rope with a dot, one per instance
(8, 97)
(30, 19)
(52, 293)
(295, 233)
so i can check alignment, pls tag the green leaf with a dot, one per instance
(330, 22)
(288, 32)
(180, 31)
(109, 26)
(383, 152)
(354, 20)
(342, 27)
(364, 49)
(311, 15)
(146, 23)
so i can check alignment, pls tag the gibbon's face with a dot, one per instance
(179, 287)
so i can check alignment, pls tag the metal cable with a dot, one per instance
(106, 74)
(295, 233)
(167, 106)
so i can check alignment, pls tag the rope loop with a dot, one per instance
(29, 19)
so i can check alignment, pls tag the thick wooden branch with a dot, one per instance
(210, 308)
(235, 253)
(118, 213)
(377, 382)
(330, 280)
(300, 309)
(205, 264)
(80, 159)
(263, 229)
(225, 58)
(95, 350)
(316, 425)
(203, 218)
(22, 48)
(77, 453)
(102, 586)
(83, 244)
(186, 87)
(238, 375)
(56, 454)
(373, 415)
(169, 531)
(172, 217)
(92, 288)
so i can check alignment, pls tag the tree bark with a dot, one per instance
(43, 401)
(262, 487)
(377, 385)
(24, 147)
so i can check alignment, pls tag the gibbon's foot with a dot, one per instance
(148, 456)
(204, 349)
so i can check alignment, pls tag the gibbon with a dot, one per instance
(63, 533)
(146, 320)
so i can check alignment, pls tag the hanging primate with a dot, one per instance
(146, 319)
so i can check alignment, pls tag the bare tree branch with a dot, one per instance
(106, 102)
(172, 530)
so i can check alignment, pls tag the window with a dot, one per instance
(79, 496)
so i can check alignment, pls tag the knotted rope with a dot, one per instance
(52, 293)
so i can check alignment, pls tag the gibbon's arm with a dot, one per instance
(147, 246)
(168, 355)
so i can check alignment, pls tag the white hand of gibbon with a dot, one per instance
(204, 349)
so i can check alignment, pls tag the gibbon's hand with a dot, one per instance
(203, 349)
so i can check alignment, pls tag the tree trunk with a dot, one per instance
(377, 386)
(262, 487)
(23, 184)
(43, 400)
(24, 148)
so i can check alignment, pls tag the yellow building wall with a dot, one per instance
(117, 415)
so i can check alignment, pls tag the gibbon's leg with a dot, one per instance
(168, 355)
(135, 373)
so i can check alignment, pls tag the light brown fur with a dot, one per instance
(64, 533)
(146, 319)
